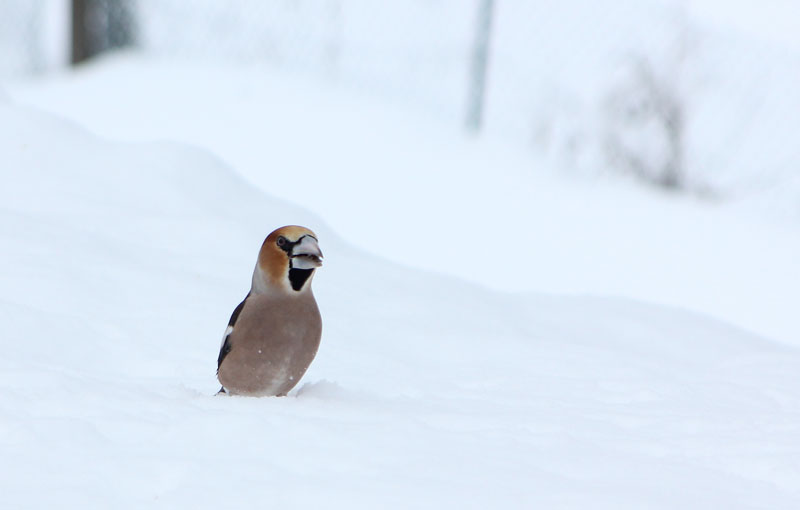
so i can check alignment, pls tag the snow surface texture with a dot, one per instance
(404, 187)
(124, 261)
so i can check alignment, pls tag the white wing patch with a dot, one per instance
(228, 331)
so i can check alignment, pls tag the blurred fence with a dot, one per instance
(628, 85)
(414, 51)
(21, 38)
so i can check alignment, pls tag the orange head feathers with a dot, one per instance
(287, 260)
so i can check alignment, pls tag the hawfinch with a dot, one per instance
(273, 335)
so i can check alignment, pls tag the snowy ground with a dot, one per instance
(125, 260)
(387, 178)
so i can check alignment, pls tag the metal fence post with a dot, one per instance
(479, 66)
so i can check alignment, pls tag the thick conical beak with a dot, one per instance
(306, 254)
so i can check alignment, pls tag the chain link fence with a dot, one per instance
(21, 41)
(414, 51)
(633, 86)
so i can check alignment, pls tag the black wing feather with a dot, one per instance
(226, 344)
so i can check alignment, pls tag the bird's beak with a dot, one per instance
(306, 254)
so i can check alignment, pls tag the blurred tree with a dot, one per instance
(646, 126)
(647, 112)
(100, 25)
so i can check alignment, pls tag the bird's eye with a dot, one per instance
(281, 241)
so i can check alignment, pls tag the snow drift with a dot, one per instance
(124, 261)
(389, 179)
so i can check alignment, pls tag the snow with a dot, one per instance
(412, 190)
(506, 323)
(428, 391)
(772, 20)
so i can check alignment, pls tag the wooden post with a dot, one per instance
(100, 25)
(80, 33)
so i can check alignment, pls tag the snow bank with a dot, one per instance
(405, 187)
(126, 260)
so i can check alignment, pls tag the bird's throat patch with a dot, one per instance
(298, 277)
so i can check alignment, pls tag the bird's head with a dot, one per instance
(287, 260)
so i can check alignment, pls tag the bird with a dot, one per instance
(273, 335)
